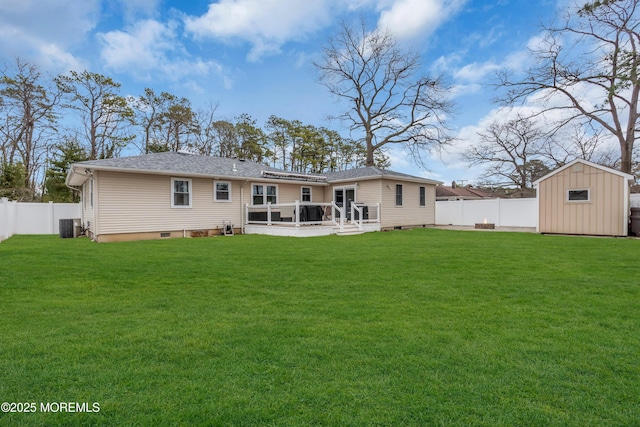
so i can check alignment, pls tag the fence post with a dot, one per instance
(51, 218)
(4, 219)
(297, 212)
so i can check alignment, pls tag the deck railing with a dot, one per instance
(310, 213)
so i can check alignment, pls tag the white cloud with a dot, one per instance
(44, 31)
(475, 72)
(408, 19)
(268, 24)
(150, 48)
(135, 8)
(143, 46)
(265, 24)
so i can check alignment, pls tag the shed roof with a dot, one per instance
(627, 176)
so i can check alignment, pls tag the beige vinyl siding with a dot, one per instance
(383, 191)
(603, 214)
(410, 213)
(368, 192)
(134, 203)
(289, 193)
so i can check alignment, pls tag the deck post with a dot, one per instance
(297, 213)
(268, 213)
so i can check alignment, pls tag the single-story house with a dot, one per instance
(582, 197)
(178, 194)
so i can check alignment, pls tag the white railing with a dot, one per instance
(310, 213)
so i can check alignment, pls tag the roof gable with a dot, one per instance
(587, 163)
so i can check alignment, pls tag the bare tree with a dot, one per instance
(149, 109)
(578, 143)
(388, 101)
(106, 116)
(205, 139)
(29, 116)
(593, 51)
(511, 152)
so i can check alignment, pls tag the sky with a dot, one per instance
(255, 56)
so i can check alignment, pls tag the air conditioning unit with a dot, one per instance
(66, 228)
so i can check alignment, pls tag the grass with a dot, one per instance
(421, 327)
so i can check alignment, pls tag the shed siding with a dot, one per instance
(134, 203)
(601, 215)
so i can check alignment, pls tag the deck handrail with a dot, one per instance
(337, 218)
(357, 221)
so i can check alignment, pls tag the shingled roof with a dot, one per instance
(175, 163)
(373, 172)
(185, 164)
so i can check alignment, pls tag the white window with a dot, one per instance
(398, 194)
(579, 195)
(423, 196)
(306, 194)
(222, 191)
(91, 192)
(180, 193)
(261, 194)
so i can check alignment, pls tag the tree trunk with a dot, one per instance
(370, 160)
(626, 153)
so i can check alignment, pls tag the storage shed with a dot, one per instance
(584, 198)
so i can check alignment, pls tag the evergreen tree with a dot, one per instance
(12, 182)
(68, 152)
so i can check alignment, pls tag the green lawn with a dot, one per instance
(421, 327)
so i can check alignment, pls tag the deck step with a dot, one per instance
(351, 230)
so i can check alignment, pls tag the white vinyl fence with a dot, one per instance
(34, 218)
(43, 218)
(501, 212)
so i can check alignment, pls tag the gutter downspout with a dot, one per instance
(242, 210)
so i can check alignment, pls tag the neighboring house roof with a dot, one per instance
(627, 176)
(466, 193)
(185, 164)
(373, 172)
